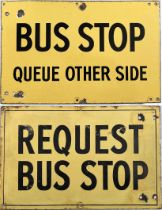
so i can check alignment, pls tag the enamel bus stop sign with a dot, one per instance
(89, 52)
(80, 157)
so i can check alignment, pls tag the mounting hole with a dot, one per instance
(150, 99)
(6, 93)
(154, 197)
(157, 99)
(20, 13)
(82, 6)
(7, 13)
(141, 117)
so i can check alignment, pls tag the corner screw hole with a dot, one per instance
(7, 13)
(6, 93)
(154, 197)
(150, 99)
(143, 197)
(20, 13)
(157, 99)
(141, 117)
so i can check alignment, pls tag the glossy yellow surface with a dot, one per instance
(75, 196)
(147, 52)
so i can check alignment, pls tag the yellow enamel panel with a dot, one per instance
(117, 167)
(71, 52)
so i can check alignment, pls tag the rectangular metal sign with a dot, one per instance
(80, 157)
(72, 52)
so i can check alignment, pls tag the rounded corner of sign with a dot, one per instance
(2, 108)
(160, 205)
